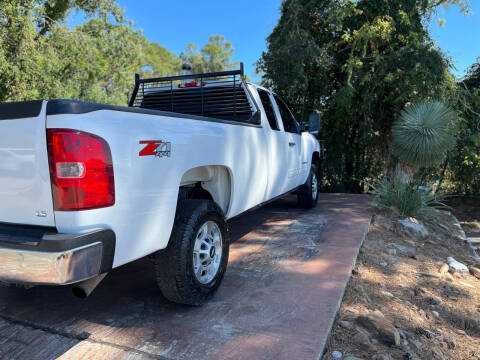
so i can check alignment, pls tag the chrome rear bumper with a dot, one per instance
(42, 256)
(50, 268)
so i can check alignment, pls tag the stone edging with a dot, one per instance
(465, 238)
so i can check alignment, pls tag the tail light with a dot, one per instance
(81, 170)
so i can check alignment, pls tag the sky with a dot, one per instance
(247, 23)
(459, 37)
(174, 24)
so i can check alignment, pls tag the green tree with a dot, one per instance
(50, 12)
(214, 56)
(463, 166)
(360, 63)
(158, 61)
(41, 57)
(97, 61)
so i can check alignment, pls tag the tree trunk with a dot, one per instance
(404, 173)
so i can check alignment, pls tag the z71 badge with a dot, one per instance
(158, 148)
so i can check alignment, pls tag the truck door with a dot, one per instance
(293, 139)
(277, 149)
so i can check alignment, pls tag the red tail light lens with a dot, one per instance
(81, 170)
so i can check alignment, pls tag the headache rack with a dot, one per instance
(221, 95)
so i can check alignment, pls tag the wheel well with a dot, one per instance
(194, 191)
(316, 161)
(316, 158)
(211, 182)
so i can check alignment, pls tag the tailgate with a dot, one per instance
(25, 191)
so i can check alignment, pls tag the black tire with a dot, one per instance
(174, 266)
(307, 199)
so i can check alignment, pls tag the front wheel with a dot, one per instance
(190, 269)
(307, 194)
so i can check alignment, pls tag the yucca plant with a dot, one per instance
(422, 136)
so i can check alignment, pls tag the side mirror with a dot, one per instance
(314, 123)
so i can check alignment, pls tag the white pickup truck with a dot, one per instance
(86, 187)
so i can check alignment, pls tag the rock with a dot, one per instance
(434, 300)
(466, 285)
(387, 294)
(475, 271)
(406, 250)
(449, 277)
(450, 343)
(337, 354)
(413, 243)
(435, 313)
(456, 266)
(391, 252)
(471, 324)
(425, 332)
(411, 228)
(377, 323)
(383, 222)
(403, 339)
(363, 341)
(381, 357)
(444, 269)
(426, 274)
(384, 264)
(346, 324)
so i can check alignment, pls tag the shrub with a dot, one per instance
(407, 200)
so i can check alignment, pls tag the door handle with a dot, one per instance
(291, 144)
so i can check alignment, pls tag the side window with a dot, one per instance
(289, 122)
(268, 107)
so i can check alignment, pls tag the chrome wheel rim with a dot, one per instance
(207, 252)
(314, 186)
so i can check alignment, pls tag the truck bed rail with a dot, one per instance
(221, 95)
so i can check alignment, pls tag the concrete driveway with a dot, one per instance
(287, 273)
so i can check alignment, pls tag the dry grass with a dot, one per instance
(416, 284)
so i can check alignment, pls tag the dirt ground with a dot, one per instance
(436, 313)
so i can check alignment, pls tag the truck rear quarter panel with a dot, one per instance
(146, 187)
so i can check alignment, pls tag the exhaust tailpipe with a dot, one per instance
(84, 288)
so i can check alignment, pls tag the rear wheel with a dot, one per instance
(307, 194)
(190, 269)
